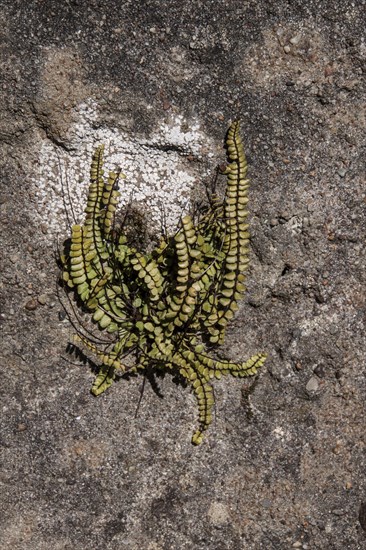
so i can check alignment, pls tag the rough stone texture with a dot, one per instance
(283, 465)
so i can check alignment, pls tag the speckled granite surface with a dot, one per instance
(283, 465)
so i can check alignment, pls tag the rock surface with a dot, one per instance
(283, 465)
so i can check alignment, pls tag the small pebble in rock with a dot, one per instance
(342, 172)
(21, 427)
(295, 39)
(166, 105)
(287, 49)
(61, 315)
(319, 371)
(297, 544)
(312, 384)
(42, 299)
(31, 305)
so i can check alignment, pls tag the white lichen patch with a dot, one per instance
(159, 177)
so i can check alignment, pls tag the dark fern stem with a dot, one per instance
(170, 306)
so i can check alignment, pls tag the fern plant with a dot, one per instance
(170, 306)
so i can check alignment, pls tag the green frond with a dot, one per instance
(103, 380)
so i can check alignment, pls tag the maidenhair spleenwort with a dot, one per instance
(169, 307)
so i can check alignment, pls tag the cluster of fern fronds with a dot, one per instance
(171, 305)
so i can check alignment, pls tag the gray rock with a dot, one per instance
(159, 82)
